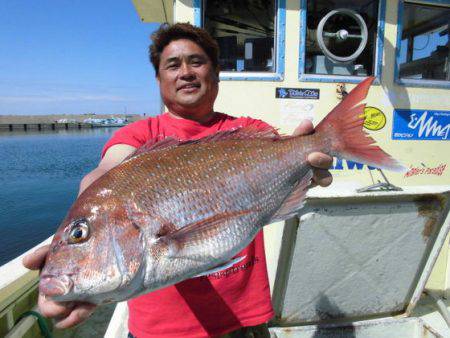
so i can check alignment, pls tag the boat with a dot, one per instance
(106, 122)
(369, 256)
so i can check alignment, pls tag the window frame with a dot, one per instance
(279, 44)
(379, 49)
(425, 83)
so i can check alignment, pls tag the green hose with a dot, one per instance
(45, 332)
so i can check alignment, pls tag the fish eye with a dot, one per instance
(79, 231)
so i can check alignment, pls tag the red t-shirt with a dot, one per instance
(204, 306)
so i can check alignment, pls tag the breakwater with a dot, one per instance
(43, 126)
(62, 121)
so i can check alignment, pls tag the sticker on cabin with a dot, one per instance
(293, 112)
(425, 170)
(414, 124)
(297, 93)
(374, 118)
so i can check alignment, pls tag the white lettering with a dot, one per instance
(403, 135)
(302, 93)
(428, 127)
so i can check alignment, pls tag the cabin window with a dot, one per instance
(340, 38)
(247, 34)
(424, 43)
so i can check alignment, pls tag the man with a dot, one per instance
(186, 64)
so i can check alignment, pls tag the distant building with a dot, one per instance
(114, 121)
(66, 121)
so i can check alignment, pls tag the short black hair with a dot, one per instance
(168, 33)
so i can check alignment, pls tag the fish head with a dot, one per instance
(95, 254)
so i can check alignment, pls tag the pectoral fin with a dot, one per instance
(206, 227)
(192, 235)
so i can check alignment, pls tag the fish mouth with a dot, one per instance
(53, 286)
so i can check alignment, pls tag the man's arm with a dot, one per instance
(72, 313)
(113, 156)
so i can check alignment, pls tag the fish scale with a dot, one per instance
(175, 209)
(246, 194)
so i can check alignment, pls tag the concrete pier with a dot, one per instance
(44, 126)
(10, 123)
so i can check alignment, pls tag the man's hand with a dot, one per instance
(321, 162)
(67, 314)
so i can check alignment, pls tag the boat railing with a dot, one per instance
(18, 296)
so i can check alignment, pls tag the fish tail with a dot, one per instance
(343, 127)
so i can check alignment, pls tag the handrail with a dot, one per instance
(16, 283)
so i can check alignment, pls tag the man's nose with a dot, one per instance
(186, 71)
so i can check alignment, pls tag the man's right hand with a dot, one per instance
(66, 314)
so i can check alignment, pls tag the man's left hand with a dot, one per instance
(319, 161)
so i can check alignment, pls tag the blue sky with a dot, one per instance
(77, 56)
(424, 45)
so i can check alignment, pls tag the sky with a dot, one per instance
(75, 57)
(424, 45)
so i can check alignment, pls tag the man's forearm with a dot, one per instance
(90, 178)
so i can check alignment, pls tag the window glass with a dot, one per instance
(341, 37)
(244, 30)
(424, 49)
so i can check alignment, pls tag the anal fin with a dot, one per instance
(295, 201)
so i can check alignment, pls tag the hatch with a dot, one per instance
(359, 257)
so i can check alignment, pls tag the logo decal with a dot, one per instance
(297, 93)
(374, 118)
(421, 125)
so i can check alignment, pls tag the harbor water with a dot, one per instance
(40, 174)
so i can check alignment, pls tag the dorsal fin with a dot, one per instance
(155, 144)
(243, 133)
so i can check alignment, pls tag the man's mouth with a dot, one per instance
(189, 87)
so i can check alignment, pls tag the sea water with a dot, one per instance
(40, 173)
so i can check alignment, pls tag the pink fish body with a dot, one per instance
(177, 209)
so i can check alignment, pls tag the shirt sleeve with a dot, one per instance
(134, 134)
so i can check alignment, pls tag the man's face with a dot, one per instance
(187, 80)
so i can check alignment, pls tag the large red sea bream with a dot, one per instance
(175, 210)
